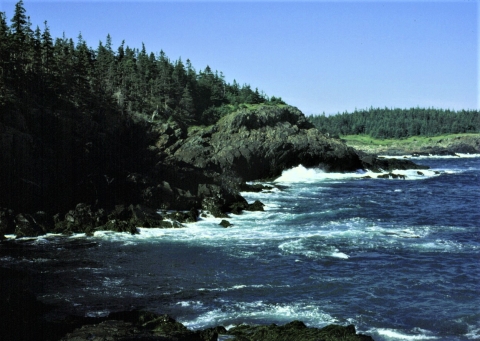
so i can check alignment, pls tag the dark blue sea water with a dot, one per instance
(399, 259)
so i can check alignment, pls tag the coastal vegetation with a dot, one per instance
(378, 123)
(38, 72)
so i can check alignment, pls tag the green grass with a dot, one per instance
(366, 140)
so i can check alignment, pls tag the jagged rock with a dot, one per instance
(140, 325)
(254, 187)
(26, 226)
(296, 331)
(260, 143)
(143, 216)
(256, 206)
(391, 175)
(81, 219)
(183, 217)
(120, 226)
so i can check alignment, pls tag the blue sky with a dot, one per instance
(319, 56)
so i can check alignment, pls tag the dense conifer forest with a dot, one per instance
(39, 72)
(399, 123)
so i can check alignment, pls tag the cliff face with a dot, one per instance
(260, 143)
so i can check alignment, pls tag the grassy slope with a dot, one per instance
(415, 143)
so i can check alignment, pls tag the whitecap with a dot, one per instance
(393, 334)
(259, 312)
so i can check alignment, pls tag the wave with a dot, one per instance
(300, 174)
(230, 314)
(394, 334)
(409, 156)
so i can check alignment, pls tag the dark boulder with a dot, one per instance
(225, 223)
(244, 187)
(391, 175)
(140, 326)
(80, 220)
(26, 226)
(183, 217)
(255, 206)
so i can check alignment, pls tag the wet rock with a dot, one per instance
(391, 175)
(376, 164)
(183, 217)
(420, 173)
(139, 325)
(296, 331)
(225, 223)
(80, 220)
(143, 216)
(26, 226)
(255, 206)
(255, 187)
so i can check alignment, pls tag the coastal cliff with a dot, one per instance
(66, 172)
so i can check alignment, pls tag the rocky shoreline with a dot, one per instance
(117, 173)
(21, 318)
(75, 174)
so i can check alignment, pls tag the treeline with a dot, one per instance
(399, 123)
(38, 72)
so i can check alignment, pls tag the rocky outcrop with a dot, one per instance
(379, 164)
(260, 143)
(296, 331)
(140, 325)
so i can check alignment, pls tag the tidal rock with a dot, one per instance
(225, 223)
(391, 175)
(255, 206)
(139, 325)
(255, 187)
(376, 164)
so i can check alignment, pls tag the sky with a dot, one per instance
(320, 56)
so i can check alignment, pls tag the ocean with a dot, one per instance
(399, 259)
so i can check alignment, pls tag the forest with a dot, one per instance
(399, 123)
(39, 72)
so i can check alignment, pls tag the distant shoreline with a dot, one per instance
(450, 144)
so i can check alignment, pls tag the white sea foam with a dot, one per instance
(457, 156)
(234, 313)
(300, 174)
(473, 333)
(394, 335)
(316, 251)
